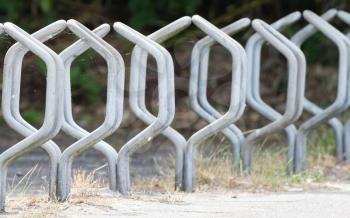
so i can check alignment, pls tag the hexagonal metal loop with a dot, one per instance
(237, 100)
(53, 105)
(341, 101)
(114, 105)
(11, 104)
(70, 127)
(254, 100)
(200, 103)
(166, 95)
(299, 38)
(295, 89)
(138, 87)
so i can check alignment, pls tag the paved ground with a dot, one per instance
(276, 205)
(280, 205)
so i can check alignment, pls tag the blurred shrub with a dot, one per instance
(35, 12)
(84, 86)
(33, 117)
(153, 12)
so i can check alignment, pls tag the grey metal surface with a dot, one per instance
(237, 102)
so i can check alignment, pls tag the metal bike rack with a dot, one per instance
(245, 87)
(237, 102)
(345, 16)
(166, 101)
(295, 90)
(114, 106)
(69, 126)
(340, 104)
(53, 105)
(299, 38)
(11, 100)
(202, 107)
(138, 87)
(253, 49)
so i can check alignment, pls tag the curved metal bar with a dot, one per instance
(205, 109)
(295, 91)
(237, 102)
(253, 49)
(166, 101)
(114, 105)
(138, 82)
(340, 103)
(11, 106)
(299, 38)
(345, 16)
(70, 127)
(53, 105)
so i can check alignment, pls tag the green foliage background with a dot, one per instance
(151, 13)
(145, 16)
